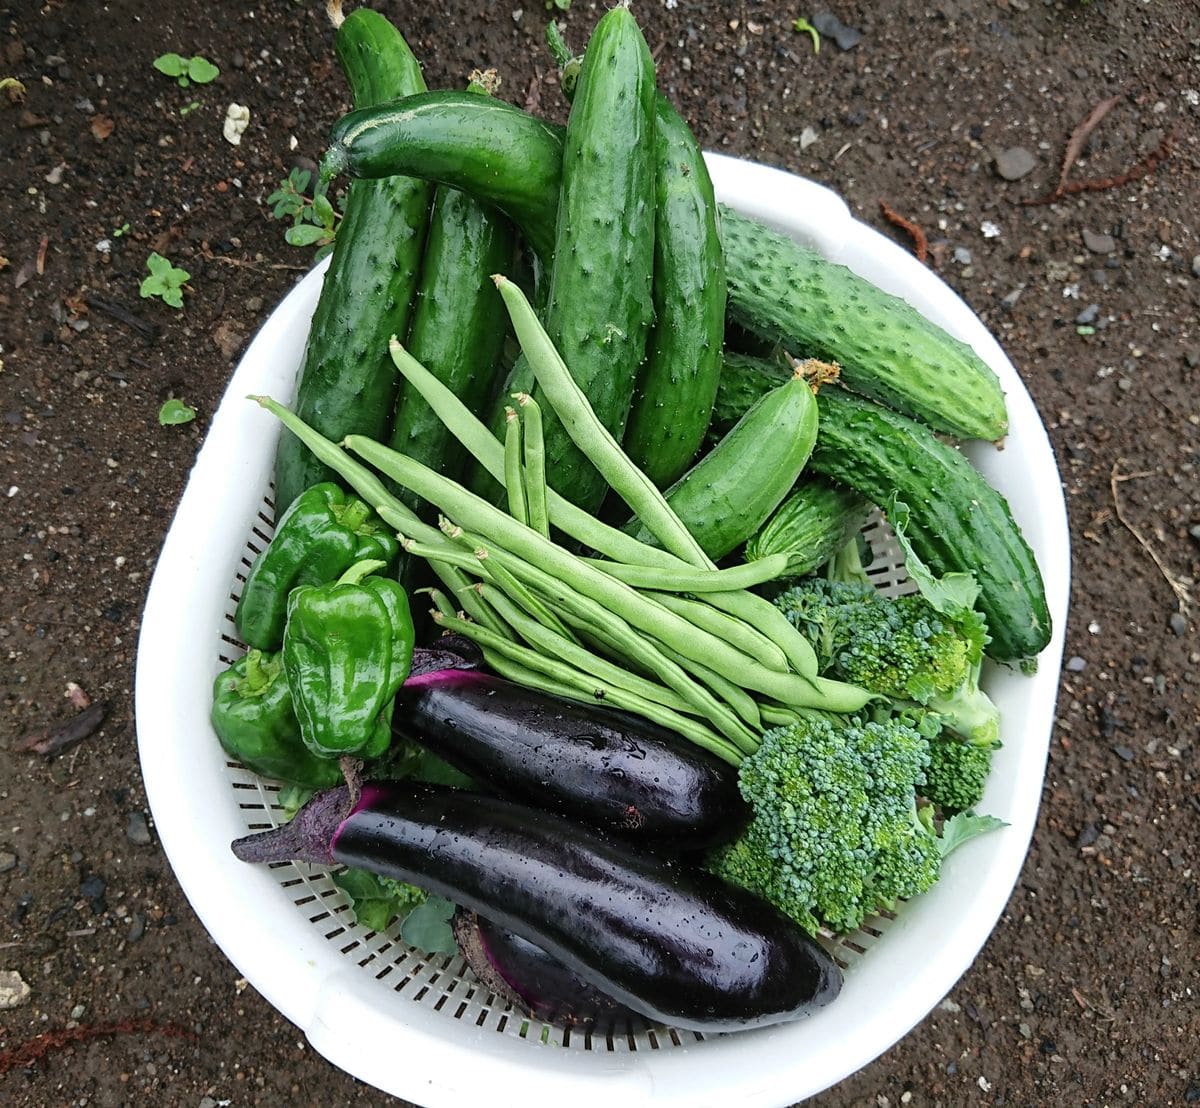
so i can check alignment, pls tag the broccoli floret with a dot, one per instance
(835, 832)
(957, 773)
(925, 648)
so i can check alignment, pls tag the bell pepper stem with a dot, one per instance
(354, 514)
(359, 570)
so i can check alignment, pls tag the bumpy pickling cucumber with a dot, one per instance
(347, 383)
(886, 349)
(814, 521)
(957, 523)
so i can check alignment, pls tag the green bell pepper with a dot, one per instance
(320, 536)
(347, 648)
(253, 717)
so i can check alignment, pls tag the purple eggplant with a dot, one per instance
(599, 766)
(539, 985)
(671, 942)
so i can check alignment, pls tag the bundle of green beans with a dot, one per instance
(655, 630)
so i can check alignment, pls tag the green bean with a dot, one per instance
(690, 729)
(496, 572)
(514, 478)
(734, 631)
(469, 599)
(761, 613)
(735, 579)
(584, 613)
(440, 601)
(483, 446)
(738, 699)
(530, 547)
(574, 410)
(535, 463)
(553, 645)
(776, 715)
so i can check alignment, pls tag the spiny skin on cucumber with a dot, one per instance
(347, 384)
(678, 381)
(600, 308)
(887, 350)
(957, 524)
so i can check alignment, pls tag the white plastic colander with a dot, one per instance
(422, 1027)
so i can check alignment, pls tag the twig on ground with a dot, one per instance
(920, 242)
(1075, 146)
(1182, 597)
(111, 308)
(33, 1050)
(57, 737)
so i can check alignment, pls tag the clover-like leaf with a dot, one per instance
(201, 70)
(173, 65)
(174, 412)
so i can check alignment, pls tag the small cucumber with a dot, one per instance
(458, 325)
(816, 520)
(886, 349)
(347, 383)
(726, 496)
(678, 383)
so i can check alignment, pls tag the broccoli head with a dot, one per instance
(835, 832)
(957, 773)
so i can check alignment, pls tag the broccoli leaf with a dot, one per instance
(427, 927)
(964, 827)
(950, 595)
(375, 901)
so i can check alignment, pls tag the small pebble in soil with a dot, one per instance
(1076, 664)
(1010, 300)
(137, 927)
(1087, 835)
(77, 1011)
(1099, 242)
(137, 830)
(13, 990)
(1014, 163)
(1178, 623)
(8, 860)
(1088, 315)
(828, 25)
(962, 255)
(1196, 265)
(1125, 753)
(92, 887)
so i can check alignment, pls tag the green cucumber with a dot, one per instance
(487, 148)
(886, 349)
(458, 326)
(727, 496)
(958, 522)
(599, 310)
(678, 383)
(347, 383)
(816, 520)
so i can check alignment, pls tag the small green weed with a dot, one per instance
(174, 412)
(165, 281)
(187, 71)
(314, 221)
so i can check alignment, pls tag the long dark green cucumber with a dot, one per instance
(727, 495)
(678, 383)
(886, 349)
(487, 148)
(458, 325)
(599, 310)
(957, 523)
(347, 383)
(816, 519)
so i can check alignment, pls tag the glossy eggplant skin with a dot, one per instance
(539, 985)
(599, 766)
(673, 943)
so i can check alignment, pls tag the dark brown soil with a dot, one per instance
(1087, 992)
